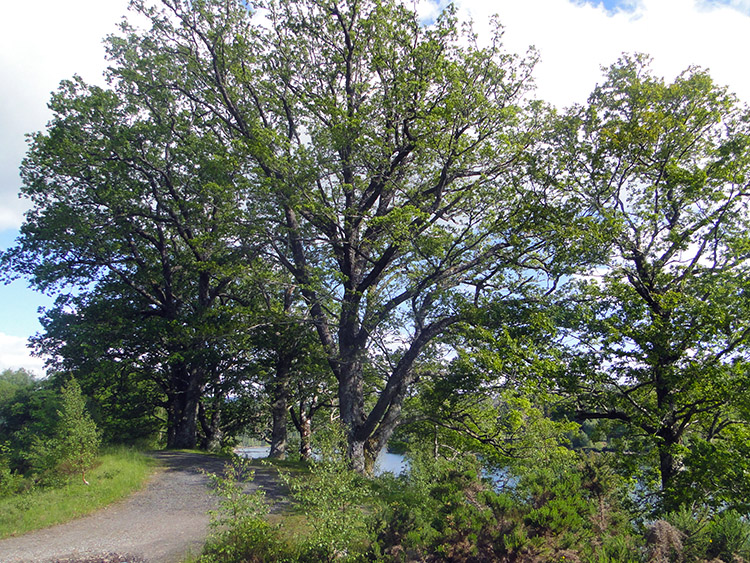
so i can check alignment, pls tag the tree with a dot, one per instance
(313, 390)
(114, 356)
(492, 397)
(135, 203)
(27, 409)
(77, 438)
(289, 361)
(388, 161)
(70, 445)
(11, 382)
(277, 348)
(664, 324)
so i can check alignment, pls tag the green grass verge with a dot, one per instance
(118, 473)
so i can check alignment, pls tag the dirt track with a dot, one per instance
(160, 524)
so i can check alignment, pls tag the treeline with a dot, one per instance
(307, 211)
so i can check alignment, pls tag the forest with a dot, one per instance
(298, 219)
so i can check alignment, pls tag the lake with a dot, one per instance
(386, 462)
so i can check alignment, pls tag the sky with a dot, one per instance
(45, 41)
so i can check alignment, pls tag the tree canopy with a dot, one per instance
(312, 203)
(371, 144)
(134, 204)
(664, 334)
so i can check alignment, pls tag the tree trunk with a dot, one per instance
(667, 432)
(305, 435)
(171, 406)
(303, 424)
(356, 455)
(669, 465)
(184, 431)
(351, 405)
(278, 429)
(280, 407)
(212, 432)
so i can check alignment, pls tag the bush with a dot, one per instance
(576, 508)
(444, 511)
(723, 536)
(336, 501)
(729, 535)
(439, 511)
(242, 531)
(10, 481)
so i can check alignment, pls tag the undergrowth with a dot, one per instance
(577, 511)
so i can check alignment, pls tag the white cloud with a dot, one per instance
(14, 354)
(741, 5)
(427, 10)
(45, 41)
(42, 43)
(576, 39)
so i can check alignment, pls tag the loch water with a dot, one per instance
(386, 462)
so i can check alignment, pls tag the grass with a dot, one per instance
(118, 473)
(292, 526)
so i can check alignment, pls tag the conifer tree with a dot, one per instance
(77, 437)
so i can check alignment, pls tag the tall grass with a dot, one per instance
(118, 473)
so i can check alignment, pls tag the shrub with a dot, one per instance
(439, 511)
(10, 481)
(729, 535)
(724, 536)
(336, 501)
(242, 531)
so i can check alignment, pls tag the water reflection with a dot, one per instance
(391, 463)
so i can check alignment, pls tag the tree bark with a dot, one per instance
(669, 465)
(305, 436)
(668, 432)
(356, 453)
(184, 420)
(303, 424)
(184, 435)
(280, 406)
(212, 432)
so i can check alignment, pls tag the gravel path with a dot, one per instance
(161, 524)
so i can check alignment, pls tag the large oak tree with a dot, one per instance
(664, 333)
(135, 206)
(390, 167)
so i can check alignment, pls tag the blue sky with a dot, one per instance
(633, 5)
(41, 43)
(20, 304)
(610, 5)
(45, 41)
(18, 318)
